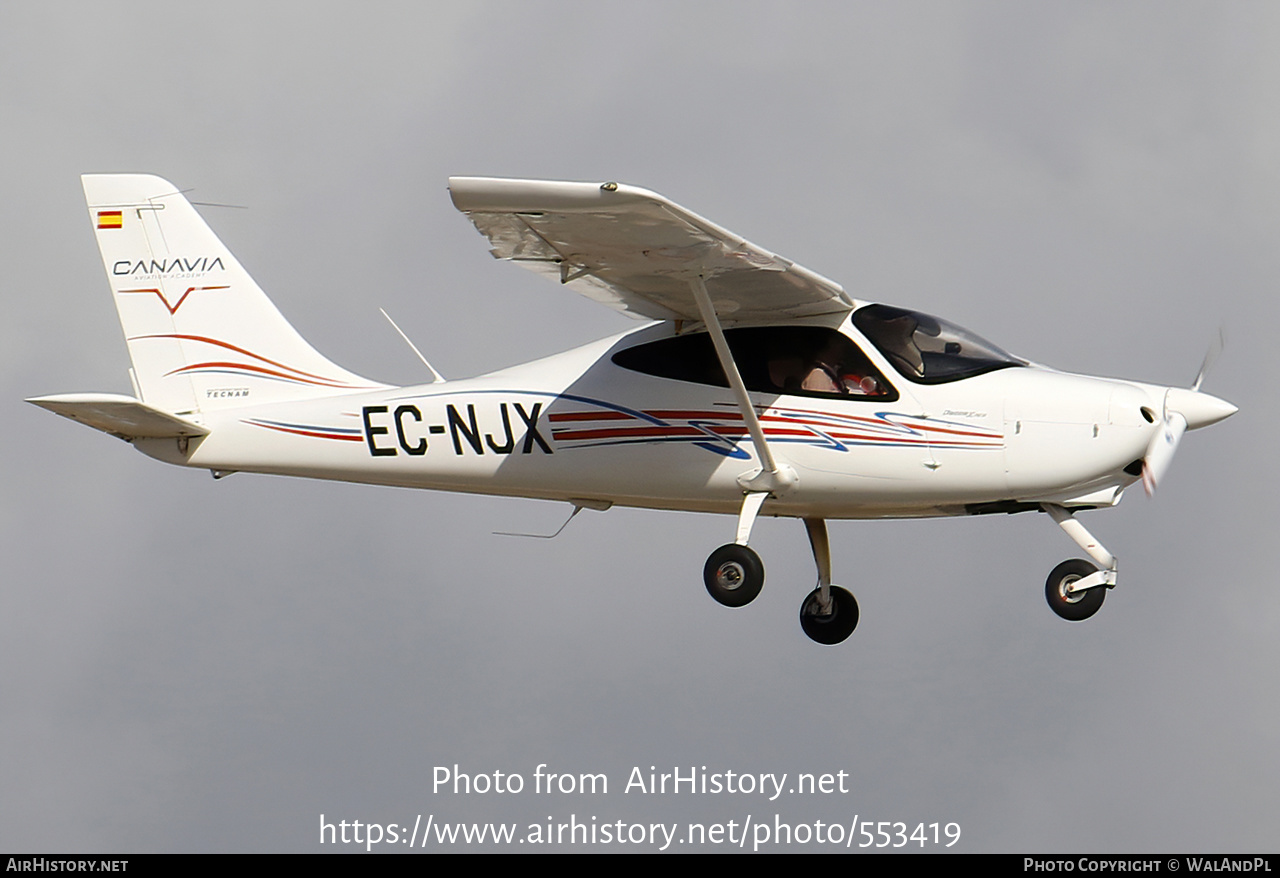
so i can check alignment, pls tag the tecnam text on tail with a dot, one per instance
(763, 388)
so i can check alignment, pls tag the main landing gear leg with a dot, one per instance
(829, 613)
(1076, 588)
(734, 574)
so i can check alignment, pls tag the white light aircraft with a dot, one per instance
(762, 389)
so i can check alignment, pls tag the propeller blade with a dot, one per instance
(1155, 463)
(1215, 348)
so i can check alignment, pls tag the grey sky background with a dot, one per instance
(190, 665)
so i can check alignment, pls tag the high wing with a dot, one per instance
(635, 251)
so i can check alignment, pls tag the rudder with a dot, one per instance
(202, 334)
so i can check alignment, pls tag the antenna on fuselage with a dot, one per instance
(578, 506)
(439, 379)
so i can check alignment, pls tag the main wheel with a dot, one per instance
(734, 575)
(835, 626)
(1079, 605)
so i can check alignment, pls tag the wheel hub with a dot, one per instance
(729, 575)
(1071, 597)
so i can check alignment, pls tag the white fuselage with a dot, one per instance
(578, 427)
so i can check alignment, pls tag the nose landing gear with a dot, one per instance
(1076, 588)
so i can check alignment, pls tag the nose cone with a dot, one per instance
(1200, 409)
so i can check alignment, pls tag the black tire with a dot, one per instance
(832, 628)
(1074, 607)
(733, 575)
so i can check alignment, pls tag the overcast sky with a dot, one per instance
(190, 665)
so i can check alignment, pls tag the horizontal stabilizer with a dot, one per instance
(118, 415)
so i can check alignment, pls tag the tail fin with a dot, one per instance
(201, 334)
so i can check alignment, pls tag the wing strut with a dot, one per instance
(772, 477)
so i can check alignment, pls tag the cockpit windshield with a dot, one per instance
(928, 350)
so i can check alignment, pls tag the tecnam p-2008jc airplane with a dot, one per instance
(763, 388)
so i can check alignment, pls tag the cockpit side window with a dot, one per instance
(797, 360)
(929, 350)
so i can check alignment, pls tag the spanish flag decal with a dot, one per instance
(110, 219)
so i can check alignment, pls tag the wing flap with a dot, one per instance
(636, 251)
(121, 416)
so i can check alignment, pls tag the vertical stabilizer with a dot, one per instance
(201, 334)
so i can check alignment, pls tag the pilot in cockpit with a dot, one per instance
(839, 368)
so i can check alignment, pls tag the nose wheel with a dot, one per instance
(1074, 606)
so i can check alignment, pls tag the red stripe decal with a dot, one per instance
(240, 350)
(173, 309)
(346, 437)
(198, 367)
(589, 416)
